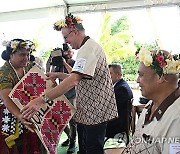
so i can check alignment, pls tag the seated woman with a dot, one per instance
(15, 138)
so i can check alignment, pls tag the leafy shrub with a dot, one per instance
(129, 67)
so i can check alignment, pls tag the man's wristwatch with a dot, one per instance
(45, 98)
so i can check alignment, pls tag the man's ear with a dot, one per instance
(119, 74)
(76, 32)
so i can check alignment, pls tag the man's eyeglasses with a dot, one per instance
(65, 37)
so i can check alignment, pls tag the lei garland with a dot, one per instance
(70, 21)
(15, 45)
(159, 62)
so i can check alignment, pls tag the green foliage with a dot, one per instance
(150, 46)
(45, 54)
(129, 67)
(120, 46)
(116, 39)
(120, 25)
(106, 30)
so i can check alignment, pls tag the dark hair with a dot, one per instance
(137, 51)
(116, 67)
(79, 27)
(32, 58)
(6, 53)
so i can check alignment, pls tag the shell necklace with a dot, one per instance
(16, 71)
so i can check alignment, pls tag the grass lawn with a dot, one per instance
(63, 150)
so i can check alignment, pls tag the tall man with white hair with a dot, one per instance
(95, 99)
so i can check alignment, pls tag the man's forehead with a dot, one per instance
(144, 69)
(65, 30)
(23, 51)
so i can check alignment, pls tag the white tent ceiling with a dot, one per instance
(103, 5)
(11, 10)
(80, 5)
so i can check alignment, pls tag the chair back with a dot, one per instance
(129, 117)
(136, 111)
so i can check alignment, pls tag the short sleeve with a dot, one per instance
(5, 82)
(86, 61)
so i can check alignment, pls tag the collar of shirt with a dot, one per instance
(163, 106)
(84, 40)
(116, 82)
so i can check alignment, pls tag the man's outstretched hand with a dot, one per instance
(31, 108)
(52, 76)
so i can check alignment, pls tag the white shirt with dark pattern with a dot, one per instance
(95, 99)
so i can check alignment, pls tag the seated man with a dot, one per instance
(123, 96)
(157, 130)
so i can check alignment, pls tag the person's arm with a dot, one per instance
(33, 106)
(54, 75)
(68, 67)
(11, 106)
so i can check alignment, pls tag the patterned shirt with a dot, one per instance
(8, 80)
(158, 134)
(95, 99)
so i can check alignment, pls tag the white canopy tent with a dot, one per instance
(114, 5)
(33, 19)
(14, 8)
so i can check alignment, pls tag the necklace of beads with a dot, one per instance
(16, 71)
